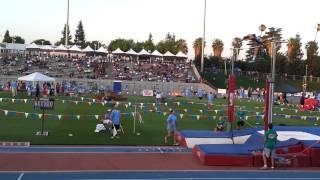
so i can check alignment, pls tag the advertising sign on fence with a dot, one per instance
(147, 92)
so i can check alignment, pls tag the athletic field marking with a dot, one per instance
(169, 171)
(20, 177)
(302, 178)
(160, 150)
(221, 178)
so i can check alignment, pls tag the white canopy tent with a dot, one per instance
(131, 52)
(75, 48)
(33, 46)
(87, 49)
(168, 54)
(46, 47)
(156, 53)
(61, 48)
(143, 52)
(102, 50)
(36, 77)
(181, 55)
(117, 51)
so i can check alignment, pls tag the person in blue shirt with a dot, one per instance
(115, 118)
(13, 86)
(210, 100)
(200, 94)
(171, 127)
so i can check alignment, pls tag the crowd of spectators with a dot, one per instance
(96, 67)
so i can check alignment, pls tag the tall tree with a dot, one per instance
(217, 47)
(294, 48)
(7, 37)
(273, 34)
(197, 46)
(138, 46)
(296, 66)
(63, 39)
(18, 40)
(95, 45)
(147, 45)
(168, 44)
(79, 37)
(312, 53)
(182, 46)
(237, 44)
(123, 44)
(42, 41)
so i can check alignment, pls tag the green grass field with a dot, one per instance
(80, 120)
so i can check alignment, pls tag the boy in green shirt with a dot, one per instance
(270, 141)
(220, 124)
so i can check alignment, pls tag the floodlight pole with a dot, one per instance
(134, 119)
(304, 84)
(67, 26)
(204, 34)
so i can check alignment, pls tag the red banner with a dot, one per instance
(266, 112)
(232, 87)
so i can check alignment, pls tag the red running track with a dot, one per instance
(98, 161)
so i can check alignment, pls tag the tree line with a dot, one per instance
(169, 43)
(290, 62)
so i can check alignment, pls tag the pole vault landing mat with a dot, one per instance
(299, 145)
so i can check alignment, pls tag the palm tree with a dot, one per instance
(182, 46)
(312, 53)
(197, 46)
(262, 28)
(217, 47)
(291, 46)
(237, 43)
(275, 34)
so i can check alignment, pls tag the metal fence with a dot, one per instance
(128, 87)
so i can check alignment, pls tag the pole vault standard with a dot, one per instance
(268, 115)
(231, 91)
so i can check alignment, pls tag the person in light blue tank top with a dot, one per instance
(115, 118)
(171, 127)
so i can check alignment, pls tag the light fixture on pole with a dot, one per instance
(204, 34)
(13, 46)
(317, 30)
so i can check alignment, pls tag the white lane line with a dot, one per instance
(160, 150)
(221, 178)
(20, 177)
